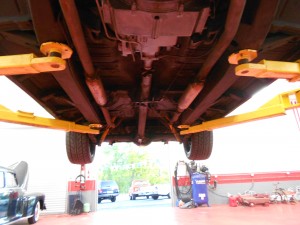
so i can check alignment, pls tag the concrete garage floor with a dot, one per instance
(275, 214)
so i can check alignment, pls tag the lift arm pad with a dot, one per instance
(54, 60)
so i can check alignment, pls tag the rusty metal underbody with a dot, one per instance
(12, 65)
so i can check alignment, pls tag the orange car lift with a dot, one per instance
(27, 118)
(263, 69)
(56, 54)
(54, 60)
(275, 107)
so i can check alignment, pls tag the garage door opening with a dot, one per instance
(142, 175)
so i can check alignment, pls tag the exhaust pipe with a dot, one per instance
(94, 83)
(186, 99)
(143, 108)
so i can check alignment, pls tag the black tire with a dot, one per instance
(134, 197)
(113, 199)
(99, 200)
(36, 214)
(155, 197)
(80, 149)
(199, 145)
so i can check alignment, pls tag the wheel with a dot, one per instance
(99, 200)
(36, 214)
(155, 197)
(113, 199)
(130, 197)
(199, 145)
(251, 204)
(168, 195)
(147, 196)
(80, 149)
(133, 197)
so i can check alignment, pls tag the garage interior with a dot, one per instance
(248, 159)
(54, 182)
(230, 175)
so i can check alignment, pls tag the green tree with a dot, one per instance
(124, 164)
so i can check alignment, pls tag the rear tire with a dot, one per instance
(155, 197)
(199, 145)
(113, 199)
(80, 149)
(36, 214)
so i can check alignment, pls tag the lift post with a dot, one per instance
(275, 107)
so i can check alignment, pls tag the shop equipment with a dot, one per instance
(199, 188)
(182, 181)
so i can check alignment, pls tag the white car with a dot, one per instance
(142, 188)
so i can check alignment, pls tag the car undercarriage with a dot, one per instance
(140, 68)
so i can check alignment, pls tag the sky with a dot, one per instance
(265, 145)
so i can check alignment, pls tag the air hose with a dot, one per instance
(185, 193)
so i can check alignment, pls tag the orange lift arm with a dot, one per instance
(54, 60)
(275, 107)
(26, 118)
(264, 69)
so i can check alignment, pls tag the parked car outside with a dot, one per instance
(107, 189)
(15, 202)
(163, 190)
(142, 188)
